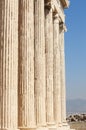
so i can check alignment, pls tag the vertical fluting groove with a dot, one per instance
(40, 92)
(9, 63)
(26, 110)
(63, 89)
(49, 64)
(56, 67)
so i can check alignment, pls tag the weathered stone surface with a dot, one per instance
(56, 68)
(32, 67)
(8, 64)
(26, 109)
(39, 65)
(62, 73)
(49, 65)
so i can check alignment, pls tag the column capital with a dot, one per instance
(56, 18)
(48, 4)
(63, 27)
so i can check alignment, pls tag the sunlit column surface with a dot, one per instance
(63, 88)
(40, 89)
(8, 64)
(56, 67)
(26, 110)
(49, 64)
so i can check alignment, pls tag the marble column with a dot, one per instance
(56, 72)
(26, 111)
(8, 64)
(62, 64)
(40, 90)
(49, 65)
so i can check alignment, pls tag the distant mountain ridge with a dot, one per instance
(76, 106)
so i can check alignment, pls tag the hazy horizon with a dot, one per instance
(76, 106)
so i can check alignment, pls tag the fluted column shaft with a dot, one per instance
(8, 64)
(40, 94)
(63, 89)
(26, 64)
(49, 64)
(56, 83)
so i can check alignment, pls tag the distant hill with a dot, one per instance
(76, 106)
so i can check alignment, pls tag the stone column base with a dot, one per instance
(25, 128)
(42, 128)
(9, 129)
(52, 128)
(64, 126)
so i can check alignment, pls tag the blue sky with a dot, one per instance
(75, 49)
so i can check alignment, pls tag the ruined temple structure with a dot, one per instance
(32, 65)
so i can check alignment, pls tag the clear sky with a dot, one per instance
(75, 49)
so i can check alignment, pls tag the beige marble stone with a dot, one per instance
(56, 72)
(32, 65)
(26, 109)
(62, 64)
(49, 65)
(39, 53)
(8, 64)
